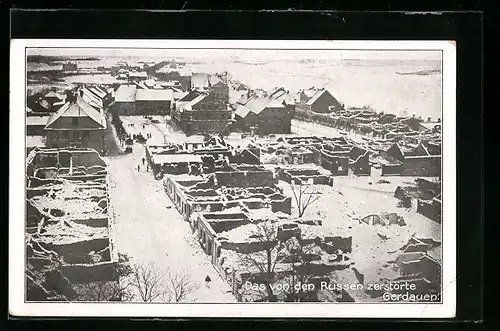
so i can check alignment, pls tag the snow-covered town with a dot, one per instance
(154, 181)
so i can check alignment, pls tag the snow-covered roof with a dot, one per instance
(100, 93)
(242, 111)
(37, 120)
(316, 97)
(176, 158)
(53, 94)
(138, 74)
(35, 141)
(189, 105)
(126, 93)
(154, 95)
(78, 108)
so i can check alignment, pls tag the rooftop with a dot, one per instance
(154, 95)
(126, 93)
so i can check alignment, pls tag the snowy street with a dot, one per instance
(146, 230)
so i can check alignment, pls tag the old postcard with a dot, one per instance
(186, 178)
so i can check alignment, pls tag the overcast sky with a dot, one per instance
(245, 55)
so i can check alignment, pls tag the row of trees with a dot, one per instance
(144, 282)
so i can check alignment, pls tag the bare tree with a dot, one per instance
(104, 291)
(305, 195)
(299, 258)
(179, 286)
(149, 281)
(265, 260)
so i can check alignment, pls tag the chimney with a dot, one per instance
(439, 120)
(429, 119)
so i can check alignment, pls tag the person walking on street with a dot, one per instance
(207, 281)
(138, 167)
(143, 161)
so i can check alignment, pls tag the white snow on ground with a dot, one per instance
(147, 231)
(160, 132)
(374, 246)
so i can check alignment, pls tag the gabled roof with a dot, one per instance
(257, 105)
(126, 93)
(178, 94)
(154, 95)
(277, 93)
(310, 92)
(189, 105)
(316, 97)
(141, 85)
(78, 108)
(242, 111)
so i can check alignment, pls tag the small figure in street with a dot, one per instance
(147, 167)
(138, 167)
(207, 281)
(143, 160)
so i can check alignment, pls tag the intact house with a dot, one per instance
(77, 124)
(137, 75)
(322, 101)
(49, 103)
(91, 98)
(205, 113)
(263, 115)
(153, 102)
(35, 125)
(124, 103)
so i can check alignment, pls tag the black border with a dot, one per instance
(465, 28)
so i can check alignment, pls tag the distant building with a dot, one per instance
(322, 101)
(264, 115)
(70, 66)
(199, 81)
(202, 113)
(182, 76)
(76, 124)
(153, 102)
(124, 100)
(138, 75)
